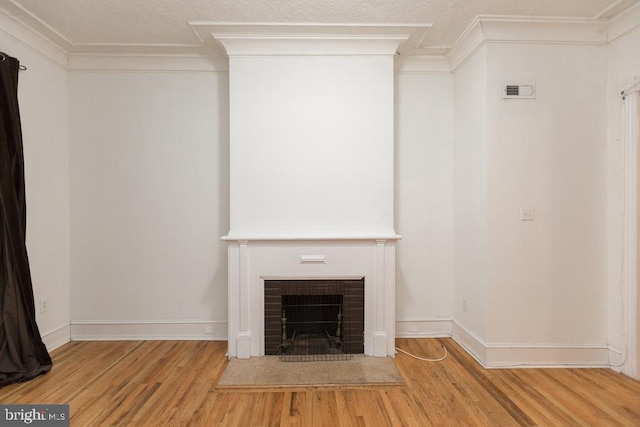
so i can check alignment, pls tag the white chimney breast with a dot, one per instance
(311, 161)
(311, 134)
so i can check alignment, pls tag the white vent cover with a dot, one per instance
(519, 90)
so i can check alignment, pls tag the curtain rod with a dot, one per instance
(632, 86)
(4, 56)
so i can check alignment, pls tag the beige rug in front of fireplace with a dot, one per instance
(269, 371)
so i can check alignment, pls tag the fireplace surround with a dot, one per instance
(252, 262)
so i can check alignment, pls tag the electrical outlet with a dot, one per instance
(209, 329)
(526, 214)
(465, 306)
(44, 305)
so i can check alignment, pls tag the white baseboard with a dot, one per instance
(423, 328)
(473, 344)
(149, 330)
(616, 359)
(509, 355)
(57, 337)
(488, 355)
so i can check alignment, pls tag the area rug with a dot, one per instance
(270, 371)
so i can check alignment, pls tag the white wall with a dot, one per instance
(623, 64)
(470, 194)
(43, 102)
(136, 140)
(423, 198)
(547, 277)
(525, 291)
(312, 149)
(149, 201)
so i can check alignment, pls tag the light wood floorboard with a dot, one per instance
(173, 383)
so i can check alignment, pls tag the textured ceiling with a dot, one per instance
(167, 25)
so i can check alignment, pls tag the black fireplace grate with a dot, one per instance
(314, 320)
(315, 357)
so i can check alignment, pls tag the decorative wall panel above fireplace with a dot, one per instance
(311, 127)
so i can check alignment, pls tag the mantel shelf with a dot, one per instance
(311, 237)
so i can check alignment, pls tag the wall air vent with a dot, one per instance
(519, 90)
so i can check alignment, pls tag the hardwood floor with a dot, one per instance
(143, 383)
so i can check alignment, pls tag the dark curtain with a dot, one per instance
(23, 355)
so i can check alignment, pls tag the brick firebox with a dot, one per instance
(349, 293)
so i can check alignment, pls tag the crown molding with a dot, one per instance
(32, 39)
(198, 47)
(147, 62)
(29, 20)
(560, 31)
(424, 64)
(141, 49)
(308, 45)
(208, 53)
(624, 23)
(505, 29)
(467, 44)
(316, 39)
(617, 8)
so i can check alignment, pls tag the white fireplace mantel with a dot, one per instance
(252, 261)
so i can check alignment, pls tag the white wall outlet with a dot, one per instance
(209, 329)
(465, 306)
(526, 214)
(44, 305)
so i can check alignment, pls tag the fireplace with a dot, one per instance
(311, 181)
(314, 319)
(256, 264)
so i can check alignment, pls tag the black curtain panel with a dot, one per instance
(23, 355)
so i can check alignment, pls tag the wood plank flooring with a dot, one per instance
(173, 383)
